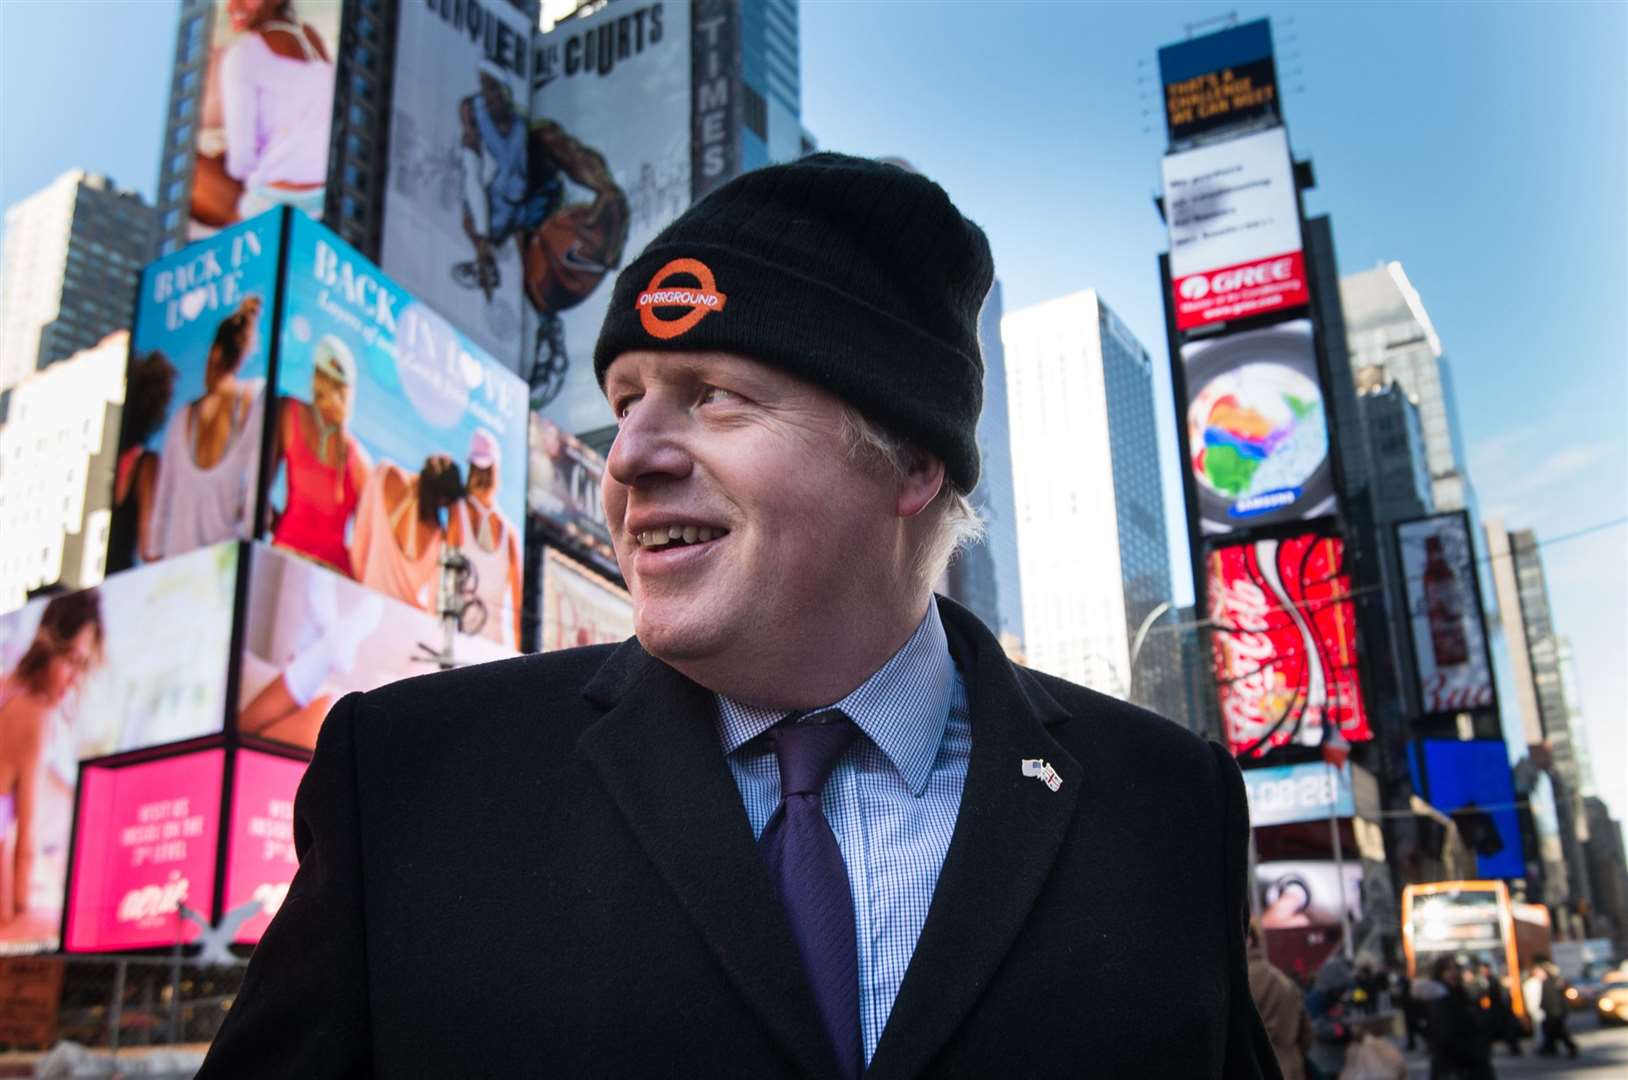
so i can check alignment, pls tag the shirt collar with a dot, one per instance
(903, 708)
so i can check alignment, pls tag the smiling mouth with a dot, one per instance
(677, 536)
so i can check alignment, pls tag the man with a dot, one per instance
(810, 821)
(1282, 1009)
(1552, 1000)
(1460, 1042)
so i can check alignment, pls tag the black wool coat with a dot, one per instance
(542, 866)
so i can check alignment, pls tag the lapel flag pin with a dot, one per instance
(1037, 768)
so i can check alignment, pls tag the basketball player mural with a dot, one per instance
(514, 186)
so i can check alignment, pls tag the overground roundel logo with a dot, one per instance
(702, 298)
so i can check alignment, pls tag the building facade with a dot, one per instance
(68, 271)
(984, 576)
(1091, 530)
(58, 444)
(1388, 329)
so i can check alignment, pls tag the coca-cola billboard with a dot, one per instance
(146, 836)
(1234, 219)
(1284, 644)
(1444, 615)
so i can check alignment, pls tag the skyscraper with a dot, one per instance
(984, 576)
(73, 252)
(1388, 329)
(1091, 528)
(59, 434)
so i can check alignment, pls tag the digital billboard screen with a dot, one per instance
(1220, 80)
(195, 396)
(260, 859)
(1471, 781)
(612, 127)
(465, 194)
(265, 111)
(1257, 429)
(581, 608)
(397, 438)
(563, 493)
(1308, 892)
(146, 842)
(1234, 220)
(312, 636)
(1444, 615)
(91, 673)
(1286, 794)
(1284, 644)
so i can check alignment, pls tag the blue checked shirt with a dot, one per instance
(891, 800)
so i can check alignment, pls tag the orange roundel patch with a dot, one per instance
(702, 299)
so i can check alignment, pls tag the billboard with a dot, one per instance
(90, 673)
(1308, 892)
(146, 844)
(195, 399)
(1444, 614)
(1257, 429)
(581, 608)
(465, 194)
(1284, 643)
(396, 437)
(1220, 80)
(563, 494)
(260, 860)
(265, 111)
(612, 113)
(1471, 781)
(312, 636)
(1234, 220)
(1285, 794)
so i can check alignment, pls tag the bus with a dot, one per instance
(1477, 922)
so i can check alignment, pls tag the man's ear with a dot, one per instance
(920, 484)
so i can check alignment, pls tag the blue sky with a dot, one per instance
(1481, 145)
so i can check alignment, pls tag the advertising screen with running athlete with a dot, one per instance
(1256, 429)
(147, 837)
(396, 438)
(195, 396)
(265, 111)
(91, 673)
(464, 195)
(1284, 644)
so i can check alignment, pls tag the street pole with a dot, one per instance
(1339, 864)
(1140, 637)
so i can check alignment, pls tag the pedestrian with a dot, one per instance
(810, 820)
(1330, 1020)
(1505, 1028)
(1532, 996)
(1556, 1032)
(1460, 1042)
(1282, 1008)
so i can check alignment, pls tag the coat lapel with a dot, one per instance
(657, 753)
(1007, 835)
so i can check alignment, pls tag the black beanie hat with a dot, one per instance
(858, 276)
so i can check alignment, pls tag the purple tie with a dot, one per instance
(806, 867)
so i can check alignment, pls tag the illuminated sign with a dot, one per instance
(1444, 615)
(1284, 644)
(1284, 794)
(1218, 81)
(1234, 219)
(1257, 429)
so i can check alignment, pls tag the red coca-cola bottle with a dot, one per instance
(1444, 607)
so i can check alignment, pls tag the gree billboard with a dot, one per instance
(1234, 220)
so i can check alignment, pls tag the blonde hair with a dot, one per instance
(956, 521)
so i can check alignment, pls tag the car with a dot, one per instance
(1612, 1005)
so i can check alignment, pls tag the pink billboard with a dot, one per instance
(260, 860)
(147, 835)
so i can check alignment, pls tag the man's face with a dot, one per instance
(497, 102)
(802, 538)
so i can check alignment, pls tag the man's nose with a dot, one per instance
(649, 445)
